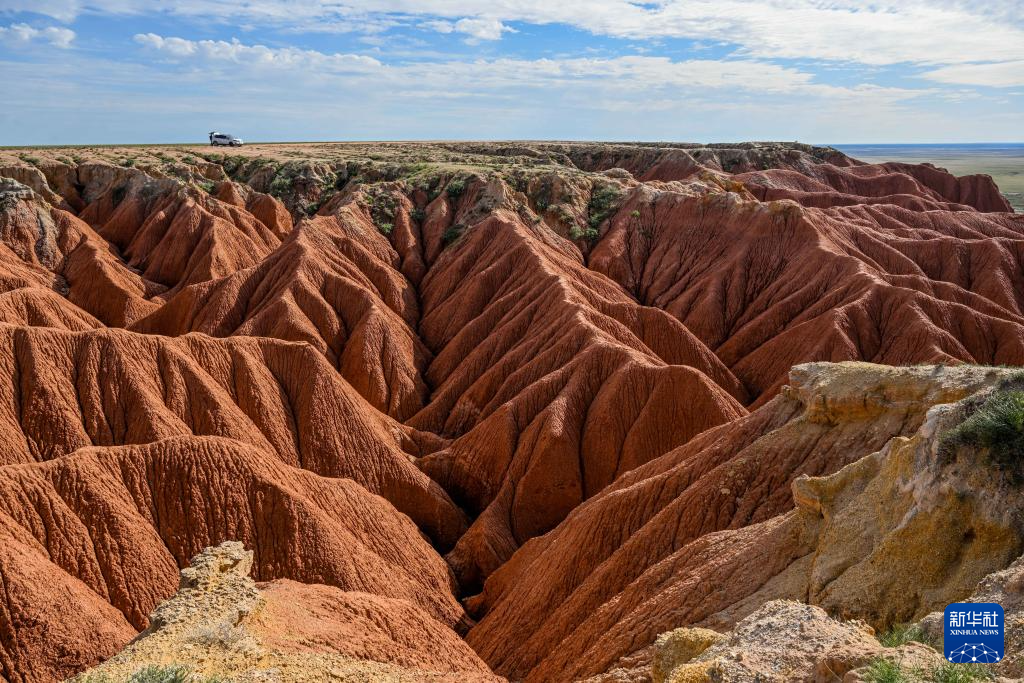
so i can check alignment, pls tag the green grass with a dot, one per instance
(902, 634)
(160, 674)
(174, 673)
(997, 425)
(961, 673)
(885, 671)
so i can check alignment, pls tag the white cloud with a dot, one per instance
(21, 35)
(482, 29)
(875, 32)
(633, 82)
(477, 29)
(255, 55)
(996, 75)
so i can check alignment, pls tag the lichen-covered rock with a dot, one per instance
(790, 642)
(678, 647)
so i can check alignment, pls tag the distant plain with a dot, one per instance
(1003, 161)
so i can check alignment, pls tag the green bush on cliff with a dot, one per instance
(455, 187)
(996, 425)
(453, 233)
(602, 201)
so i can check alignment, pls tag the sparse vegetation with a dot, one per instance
(882, 670)
(207, 186)
(578, 233)
(997, 425)
(385, 228)
(901, 634)
(961, 673)
(418, 214)
(603, 201)
(28, 159)
(455, 187)
(174, 673)
(453, 233)
(128, 163)
(280, 186)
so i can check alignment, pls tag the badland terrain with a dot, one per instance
(503, 411)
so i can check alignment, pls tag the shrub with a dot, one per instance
(455, 187)
(418, 214)
(996, 425)
(385, 228)
(578, 233)
(602, 201)
(128, 163)
(207, 186)
(453, 233)
(280, 186)
(160, 674)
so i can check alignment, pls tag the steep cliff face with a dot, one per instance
(706, 534)
(533, 392)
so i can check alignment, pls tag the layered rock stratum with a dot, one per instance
(473, 411)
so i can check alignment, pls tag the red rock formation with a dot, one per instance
(113, 524)
(548, 368)
(63, 391)
(334, 284)
(769, 285)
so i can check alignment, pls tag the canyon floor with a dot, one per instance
(503, 411)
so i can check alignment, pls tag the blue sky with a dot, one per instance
(824, 71)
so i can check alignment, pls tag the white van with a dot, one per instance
(217, 139)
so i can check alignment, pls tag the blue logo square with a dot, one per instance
(973, 633)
